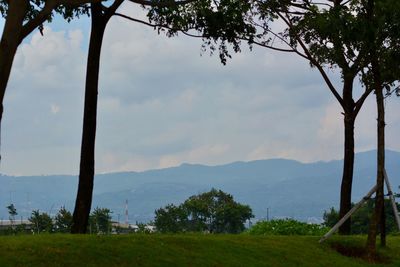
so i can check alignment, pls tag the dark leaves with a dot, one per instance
(222, 24)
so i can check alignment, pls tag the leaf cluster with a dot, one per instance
(214, 212)
(12, 211)
(100, 220)
(68, 12)
(63, 221)
(286, 227)
(219, 23)
(41, 221)
(335, 36)
(384, 45)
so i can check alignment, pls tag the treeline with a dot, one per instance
(42, 222)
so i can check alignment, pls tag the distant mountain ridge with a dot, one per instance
(288, 188)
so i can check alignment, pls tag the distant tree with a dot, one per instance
(63, 221)
(331, 217)
(361, 218)
(12, 212)
(100, 221)
(143, 228)
(214, 211)
(42, 222)
(171, 219)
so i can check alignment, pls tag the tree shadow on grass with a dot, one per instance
(358, 252)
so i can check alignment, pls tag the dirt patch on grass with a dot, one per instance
(359, 253)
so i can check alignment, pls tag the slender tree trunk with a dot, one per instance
(383, 221)
(376, 220)
(348, 160)
(86, 175)
(9, 43)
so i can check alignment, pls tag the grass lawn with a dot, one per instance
(184, 250)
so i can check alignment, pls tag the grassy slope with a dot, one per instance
(179, 250)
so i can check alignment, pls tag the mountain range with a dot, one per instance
(279, 187)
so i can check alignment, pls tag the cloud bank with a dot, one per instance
(163, 103)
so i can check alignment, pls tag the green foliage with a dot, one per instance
(361, 218)
(171, 219)
(213, 211)
(286, 227)
(63, 221)
(100, 221)
(143, 228)
(68, 12)
(344, 34)
(12, 211)
(219, 23)
(42, 222)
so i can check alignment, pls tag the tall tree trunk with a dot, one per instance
(348, 160)
(87, 165)
(376, 219)
(383, 220)
(9, 43)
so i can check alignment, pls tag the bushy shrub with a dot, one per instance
(286, 227)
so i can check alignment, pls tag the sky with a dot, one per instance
(164, 102)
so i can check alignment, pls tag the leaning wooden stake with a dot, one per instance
(348, 214)
(391, 196)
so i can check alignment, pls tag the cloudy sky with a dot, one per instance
(162, 103)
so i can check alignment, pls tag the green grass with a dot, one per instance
(183, 250)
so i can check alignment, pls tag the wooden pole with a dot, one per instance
(391, 196)
(348, 214)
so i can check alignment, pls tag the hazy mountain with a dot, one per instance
(285, 187)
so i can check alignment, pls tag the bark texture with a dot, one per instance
(10, 40)
(86, 174)
(348, 160)
(377, 220)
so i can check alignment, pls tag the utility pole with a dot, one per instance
(126, 213)
(267, 214)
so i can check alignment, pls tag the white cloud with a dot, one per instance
(55, 108)
(161, 104)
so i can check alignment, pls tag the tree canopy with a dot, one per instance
(214, 212)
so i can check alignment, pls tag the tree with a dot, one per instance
(329, 35)
(12, 211)
(171, 219)
(100, 16)
(100, 220)
(383, 72)
(22, 17)
(361, 218)
(63, 221)
(225, 23)
(214, 212)
(42, 222)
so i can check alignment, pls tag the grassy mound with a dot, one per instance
(183, 250)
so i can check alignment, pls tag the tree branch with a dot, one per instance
(158, 25)
(361, 100)
(292, 50)
(110, 11)
(315, 63)
(44, 14)
(161, 4)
